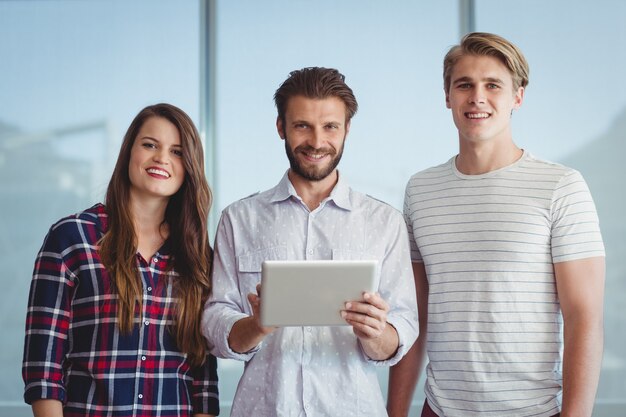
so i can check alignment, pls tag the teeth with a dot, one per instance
(315, 156)
(477, 115)
(158, 172)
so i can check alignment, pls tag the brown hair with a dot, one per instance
(488, 44)
(186, 214)
(317, 83)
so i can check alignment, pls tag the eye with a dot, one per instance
(492, 86)
(148, 145)
(463, 86)
(178, 152)
(332, 126)
(301, 126)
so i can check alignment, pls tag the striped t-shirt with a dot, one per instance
(488, 243)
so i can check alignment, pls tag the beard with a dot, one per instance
(313, 173)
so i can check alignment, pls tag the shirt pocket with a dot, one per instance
(353, 255)
(249, 266)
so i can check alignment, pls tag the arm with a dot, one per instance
(580, 287)
(205, 395)
(403, 376)
(227, 304)
(47, 408)
(248, 332)
(48, 319)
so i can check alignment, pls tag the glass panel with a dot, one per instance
(72, 77)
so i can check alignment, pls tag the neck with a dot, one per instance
(476, 159)
(313, 192)
(148, 216)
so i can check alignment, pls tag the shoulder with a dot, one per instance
(87, 224)
(254, 203)
(374, 205)
(433, 174)
(535, 165)
(547, 171)
(250, 200)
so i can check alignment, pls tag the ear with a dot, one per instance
(280, 127)
(448, 100)
(518, 98)
(348, 127)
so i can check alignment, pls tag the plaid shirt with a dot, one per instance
(74, 351)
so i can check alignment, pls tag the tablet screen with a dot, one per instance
(312, 293)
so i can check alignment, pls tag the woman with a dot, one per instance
(113, 322)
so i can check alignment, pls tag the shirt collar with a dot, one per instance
(340, 194)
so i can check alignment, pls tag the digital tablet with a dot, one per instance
(312, 293)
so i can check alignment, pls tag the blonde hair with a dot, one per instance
(488, 44)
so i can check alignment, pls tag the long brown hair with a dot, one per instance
(186, 214)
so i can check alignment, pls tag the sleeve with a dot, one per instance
(205, 391)
(416, 256)
(226, 304)
(397, 287)
(575, 225)
(47, 322)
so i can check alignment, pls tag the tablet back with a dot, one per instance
(312, 293)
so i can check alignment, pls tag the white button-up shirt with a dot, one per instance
(308, 371)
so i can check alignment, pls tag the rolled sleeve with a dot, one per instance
(47, 323)
(217, 322)
(205, 398)
(397, 287)
(225, 305)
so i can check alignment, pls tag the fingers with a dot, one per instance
(376, 300)
(368, 317)
(372, 305)
(255, 304)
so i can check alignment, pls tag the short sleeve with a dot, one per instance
(575, 225)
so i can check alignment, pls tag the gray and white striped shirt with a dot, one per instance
(488, 243)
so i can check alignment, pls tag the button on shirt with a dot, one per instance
(308, 371)
(74, 351)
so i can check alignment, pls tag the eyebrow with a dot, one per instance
(486, 79)
(158, 141)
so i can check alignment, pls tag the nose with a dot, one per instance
(161, 156)
(477, 96)
(316, 140)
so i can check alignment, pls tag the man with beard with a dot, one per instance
(312, 214)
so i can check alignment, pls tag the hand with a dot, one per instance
(255, 303)
(368, 318)
(248, 332)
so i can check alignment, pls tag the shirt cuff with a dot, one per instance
(44, 390)
(406, 337)
(217, 336)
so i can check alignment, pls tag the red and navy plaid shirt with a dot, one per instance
(74, 351)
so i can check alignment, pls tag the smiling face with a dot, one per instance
(156, 160)
(314, 131)
(481, 98)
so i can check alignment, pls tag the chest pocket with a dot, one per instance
(249, 266)
(251, 262)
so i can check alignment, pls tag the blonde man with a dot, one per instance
(507, 257)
